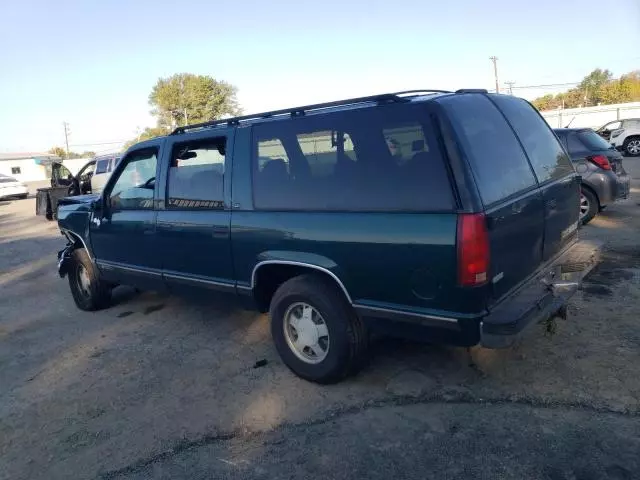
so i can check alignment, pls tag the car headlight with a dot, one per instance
(616, 133)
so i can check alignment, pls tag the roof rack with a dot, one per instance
(296, 111)
(416, 92)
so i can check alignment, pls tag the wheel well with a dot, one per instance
(630, 137)
(269, 277)
(592, 191)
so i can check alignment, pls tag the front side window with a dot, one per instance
(545, 153)
(133, 189)
(196, 175)
(376, 159)
(498, 162)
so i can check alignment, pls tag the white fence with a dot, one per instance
(591, 117)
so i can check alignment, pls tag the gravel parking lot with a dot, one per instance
(162, 387)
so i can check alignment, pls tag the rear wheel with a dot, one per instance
(89, 292)
(632, 146)
(588, 205)
(316, 332)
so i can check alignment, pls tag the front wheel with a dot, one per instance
(632, 146)
(89, 292)
(316, 331)
(588, 206)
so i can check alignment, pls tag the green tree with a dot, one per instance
(58, 152)
(187, 98)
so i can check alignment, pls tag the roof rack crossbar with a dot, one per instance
(295, 111)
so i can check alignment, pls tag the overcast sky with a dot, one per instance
(94, 63)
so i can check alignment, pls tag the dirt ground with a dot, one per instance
(162, 387)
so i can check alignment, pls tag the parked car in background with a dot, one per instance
(448, 217)
(12, 188)
(624, 135)
(604, 179)
(105, 164)
(63, 184)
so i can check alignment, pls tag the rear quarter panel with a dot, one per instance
(386, 260)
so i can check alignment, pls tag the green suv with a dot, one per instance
(449, 217)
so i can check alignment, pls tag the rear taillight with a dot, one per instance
(601, 161)
(473, 250)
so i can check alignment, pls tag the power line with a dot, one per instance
(97, 143)
(549, 85)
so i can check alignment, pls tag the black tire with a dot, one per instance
(24, 196)
(98, 293)
(591, 203)
(348, 339)
(631, 146)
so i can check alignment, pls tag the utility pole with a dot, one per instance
(66, 136)
(495, 72)
(510, 87)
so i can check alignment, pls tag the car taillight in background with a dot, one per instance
(601, 161)
(616, 132)
(473, 250)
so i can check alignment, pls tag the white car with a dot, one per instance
(104, 167)
(12, 188)
(624, 135)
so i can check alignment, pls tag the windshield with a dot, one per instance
(593, 141)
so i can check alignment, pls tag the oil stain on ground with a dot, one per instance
(617, 266)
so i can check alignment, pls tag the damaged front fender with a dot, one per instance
(64, 259)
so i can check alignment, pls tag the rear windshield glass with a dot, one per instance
(592, 140)
(385, 158)
(497, 160)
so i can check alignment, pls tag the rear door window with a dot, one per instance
(196, 175)
(375, 159)
(545, 153)
(498, 162)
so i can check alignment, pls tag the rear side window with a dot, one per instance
(376, 159)
(545, 153)
(498, 162)
(102, 166)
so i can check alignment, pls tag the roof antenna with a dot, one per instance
(569, 124)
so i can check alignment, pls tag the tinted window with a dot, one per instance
(378, 159)
(15, 171)
(574, 145)
(196, 174)
(593, 141)
(497, 159)
(545, 153)
(7, 180)
(102, 166)
(134, 187)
